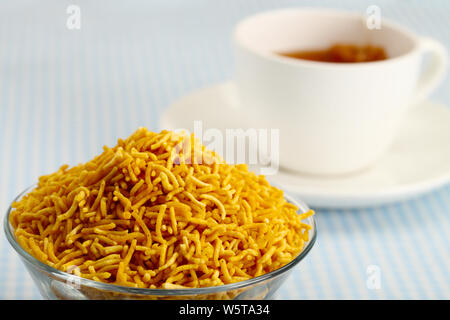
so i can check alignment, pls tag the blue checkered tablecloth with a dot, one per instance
(66, 93)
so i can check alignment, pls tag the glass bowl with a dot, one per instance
(58, 285)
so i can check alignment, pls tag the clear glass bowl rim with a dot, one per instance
(159, 292)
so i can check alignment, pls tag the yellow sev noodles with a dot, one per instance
(159, 210)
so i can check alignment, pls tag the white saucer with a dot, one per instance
(417, 162)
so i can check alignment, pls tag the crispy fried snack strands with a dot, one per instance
(159, 210)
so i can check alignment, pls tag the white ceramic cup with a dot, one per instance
(334, 118)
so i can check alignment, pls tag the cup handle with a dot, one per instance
(435, 70)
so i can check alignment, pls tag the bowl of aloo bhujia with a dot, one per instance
(158, 216)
